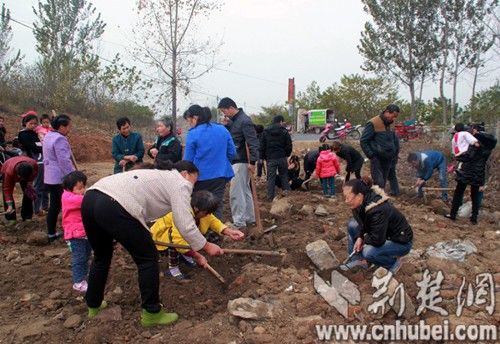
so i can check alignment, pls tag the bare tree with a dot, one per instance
(7, 61)
(166, 43)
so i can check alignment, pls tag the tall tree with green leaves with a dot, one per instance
(467, 33)
(485, 106)
(310, 98)
(169, 43)
(67, 32)
(399, 42)
(359, 98)
(8, 61)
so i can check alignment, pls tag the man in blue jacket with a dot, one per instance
(425, 162)
(128, 148)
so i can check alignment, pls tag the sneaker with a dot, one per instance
(161, 318)
(94, 311)
(81, 286)
(176, 273)
(396, 266)
(57, 235)
(361, 263)
(451, 217)
(188, 261)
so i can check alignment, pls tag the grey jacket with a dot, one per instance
(242, 130)
(148, 195)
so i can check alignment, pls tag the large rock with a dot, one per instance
(347, 289)
(55, 252)
(455, 249)
(30, 329)
(37, 238)
(439, 207)
(409, 308)
(248, 308)
(110, 314)
(280, 207)
(14, 254)
(321, 255)
(73, 321)
(332, 296)
(321, 210)
(306, 209)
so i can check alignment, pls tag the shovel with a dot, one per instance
(347, 260)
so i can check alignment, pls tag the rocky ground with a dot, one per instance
(38, 304)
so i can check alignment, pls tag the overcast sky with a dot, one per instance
(266, 40)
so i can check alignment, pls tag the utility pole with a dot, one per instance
(291, 102)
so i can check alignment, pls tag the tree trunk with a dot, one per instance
(413, 101)
(421, 87)
(455, 80)
(174, 92)
(441, 92)
(476, 71)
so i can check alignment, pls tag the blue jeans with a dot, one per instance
(384, 255)
(42, 193)
(80, 256)
(328, 185)
(443, 181)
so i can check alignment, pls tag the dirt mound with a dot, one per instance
(88, 147)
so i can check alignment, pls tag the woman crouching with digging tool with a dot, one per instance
(118, 207)
(378, 233)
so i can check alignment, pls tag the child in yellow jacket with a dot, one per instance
(204, 204)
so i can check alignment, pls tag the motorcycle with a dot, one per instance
(344, 132)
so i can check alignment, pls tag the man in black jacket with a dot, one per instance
(275, 148)
(472, 171)
(243, 132)
(380, 144)
(353, 158)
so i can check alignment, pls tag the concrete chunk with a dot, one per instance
(409, 307)
(248, 308)
(346, 288)
(331, 296)
(321, 255)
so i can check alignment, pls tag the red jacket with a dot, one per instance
(327, 164)
(10, 178)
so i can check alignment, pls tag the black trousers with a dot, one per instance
(458, 197)
(217, 186)
(357, 173)
(393, 180)
(105, 219)
(274, 166)
(26, 205)
(380, 171)
(55, 194)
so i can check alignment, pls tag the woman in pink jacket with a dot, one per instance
(327, 167)
(74, 232)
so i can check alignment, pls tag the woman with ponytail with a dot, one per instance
(211, 148)
(378, 232)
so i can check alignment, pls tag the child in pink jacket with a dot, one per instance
(327, 167)
(74, 232)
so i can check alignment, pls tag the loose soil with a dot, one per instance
(37, 298)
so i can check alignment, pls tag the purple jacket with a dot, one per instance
(56, 158)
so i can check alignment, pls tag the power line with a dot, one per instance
(152, 77)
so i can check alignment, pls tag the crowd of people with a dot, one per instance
(174, 206)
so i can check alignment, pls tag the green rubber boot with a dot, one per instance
(161, 318)
(94, 311)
